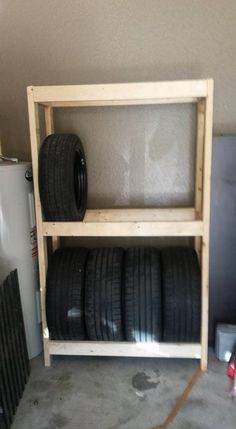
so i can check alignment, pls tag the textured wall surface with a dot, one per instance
(223, 234)
(136, 156)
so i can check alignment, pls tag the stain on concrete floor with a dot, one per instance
(141, 381)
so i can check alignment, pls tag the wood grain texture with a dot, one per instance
(103, 348)
(121, 93)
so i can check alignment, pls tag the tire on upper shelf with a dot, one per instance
(142, 295)
(103, 294)
(181, 279)
(65, 294)
(62, 178)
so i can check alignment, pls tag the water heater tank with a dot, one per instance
(18, 244)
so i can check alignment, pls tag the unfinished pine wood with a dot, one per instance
(122, 93)
(199, 169)
(103, 348)
(140, 215)
(131, 222)
(49, 127)
(42, 241)
(49, 122)
(124, 229)
(104, 103)
(206, 221)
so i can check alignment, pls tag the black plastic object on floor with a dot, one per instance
(103, 295)
(62, 178)
(65, 294)
(142, 296)
(181, 295)
(14, 361)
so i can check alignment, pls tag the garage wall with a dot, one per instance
(136, 156)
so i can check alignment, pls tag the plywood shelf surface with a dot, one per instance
(193, 221)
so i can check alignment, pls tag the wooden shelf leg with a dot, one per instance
(199, 169)
(55, 243)
(206, 223)
(42, 274)
(49, 127)
(47, 356)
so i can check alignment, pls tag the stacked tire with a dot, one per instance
(65, 294)
(62, 178)
(181, 285)
(142, 295)
(103, 295)
(137, 295)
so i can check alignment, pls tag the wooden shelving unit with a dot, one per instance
(192, 222)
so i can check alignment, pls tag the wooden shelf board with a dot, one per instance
(102, 348)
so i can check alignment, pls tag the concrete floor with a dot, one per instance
(113, 393)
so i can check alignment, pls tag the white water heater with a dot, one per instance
(18, 244)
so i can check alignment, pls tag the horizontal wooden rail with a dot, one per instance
(104, 103)
(124, 229)
(103, 348)
(140, 215)
(130, 222)
(120, 94)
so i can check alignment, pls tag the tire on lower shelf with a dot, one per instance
(142, 295)
(103, 294)
(181, 281)
(62, 178)
(65, 294)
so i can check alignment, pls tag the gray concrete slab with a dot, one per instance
(113, 393)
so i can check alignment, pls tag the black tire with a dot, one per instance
(181, 280)
(65, 294)
(142, 296)
(62, 178)
(103, 294)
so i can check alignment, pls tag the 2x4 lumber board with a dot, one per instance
(206, 222)
(49, 127)
(42, 241)
(124, 229)
(102, 348)
(104, 103)
(49, 122)
(139, 215)
(199, 155)
(199, 168)
(121, 92)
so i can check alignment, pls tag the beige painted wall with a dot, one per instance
(136, 156)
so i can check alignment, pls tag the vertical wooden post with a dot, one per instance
(42, 242)
(199, 169)
(49, 126)
(49, 123)
(206, 221)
